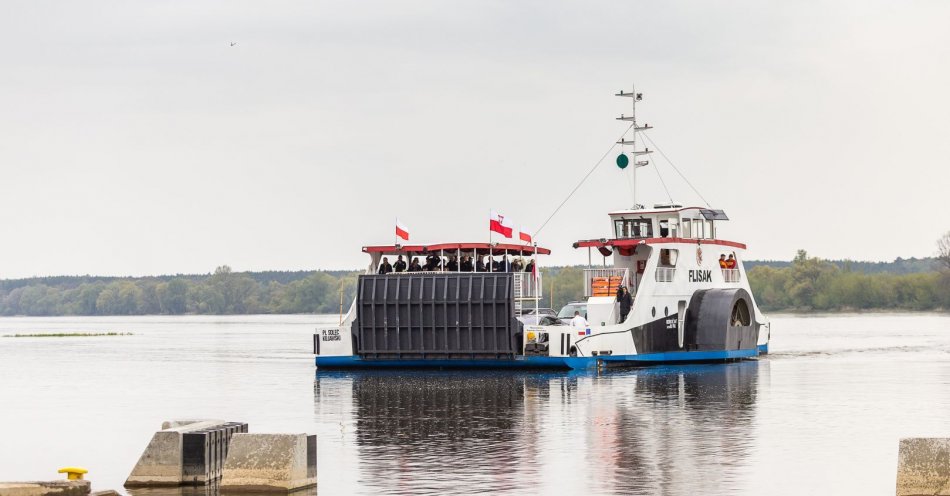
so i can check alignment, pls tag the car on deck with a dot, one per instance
(567, 311)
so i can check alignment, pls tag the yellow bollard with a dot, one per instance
(73, 473)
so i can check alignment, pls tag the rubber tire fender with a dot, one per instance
(709, 321)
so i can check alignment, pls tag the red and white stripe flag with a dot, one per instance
(524, 236)
(500, 224)
(401, 230)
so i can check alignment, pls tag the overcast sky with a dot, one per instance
(135, 140)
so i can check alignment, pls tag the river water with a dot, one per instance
(822, 414)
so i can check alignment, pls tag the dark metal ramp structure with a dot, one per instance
(436, 316)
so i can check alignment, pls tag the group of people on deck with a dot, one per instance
(435, 263)
(725, 263)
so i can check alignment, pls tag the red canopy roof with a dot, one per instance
(495, 248)
(633, 242)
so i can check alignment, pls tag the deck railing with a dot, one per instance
(665, 274)
(604, 282)
(527, 286)
(730, 275)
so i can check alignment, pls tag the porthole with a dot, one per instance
(666, 311)
(653, 311)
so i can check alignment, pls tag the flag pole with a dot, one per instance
(490, 218)
(536, 273)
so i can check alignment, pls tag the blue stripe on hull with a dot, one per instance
(764, 349)
(518, 363)
(540, 362)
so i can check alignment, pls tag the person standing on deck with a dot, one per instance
(414, 265)
(452, 265)
(722, 261)
(385, 267)
(626, 301)
(517, 265)
(466, 265)
(731, 263)
(400, 265)
(578, 322)
(530, 266)
(480, 265)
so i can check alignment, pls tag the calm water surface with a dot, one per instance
(822, 414)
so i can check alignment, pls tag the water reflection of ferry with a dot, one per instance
(669, 429)
(684, 305)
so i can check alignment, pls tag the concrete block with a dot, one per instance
(171, 424)
(259, 463)
(52, 488)
(161, 462)
(923, 467)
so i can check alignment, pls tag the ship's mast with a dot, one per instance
(632, 142)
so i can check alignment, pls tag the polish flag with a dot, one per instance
(524, 236)
(501, 225)
(401, 230)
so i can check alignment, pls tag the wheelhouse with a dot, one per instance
(665, 246)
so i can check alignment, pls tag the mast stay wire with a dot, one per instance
(591, 171)
(657, 169)
(676, 169)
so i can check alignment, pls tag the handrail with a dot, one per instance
(731, 275)
(527, 286)
(406, 272)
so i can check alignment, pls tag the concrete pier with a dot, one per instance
(923, 467)
(267, 463)
(184, 452)
(51, 488)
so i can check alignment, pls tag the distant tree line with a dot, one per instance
(898, 266)
(222, 292)
(804, 284)
(809, 283)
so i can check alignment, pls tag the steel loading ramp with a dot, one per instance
(436, 316)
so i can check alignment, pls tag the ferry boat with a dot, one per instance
(684, 305)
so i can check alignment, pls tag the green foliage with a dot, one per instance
(563, 284)
(813, 284)
(808, 283)
(898, 266)
(222, 292)
(805, 283)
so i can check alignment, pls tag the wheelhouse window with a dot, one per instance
(668, 257)
(687, 228)
(621, 228)
(633, 228)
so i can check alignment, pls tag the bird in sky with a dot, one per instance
(233, 43)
